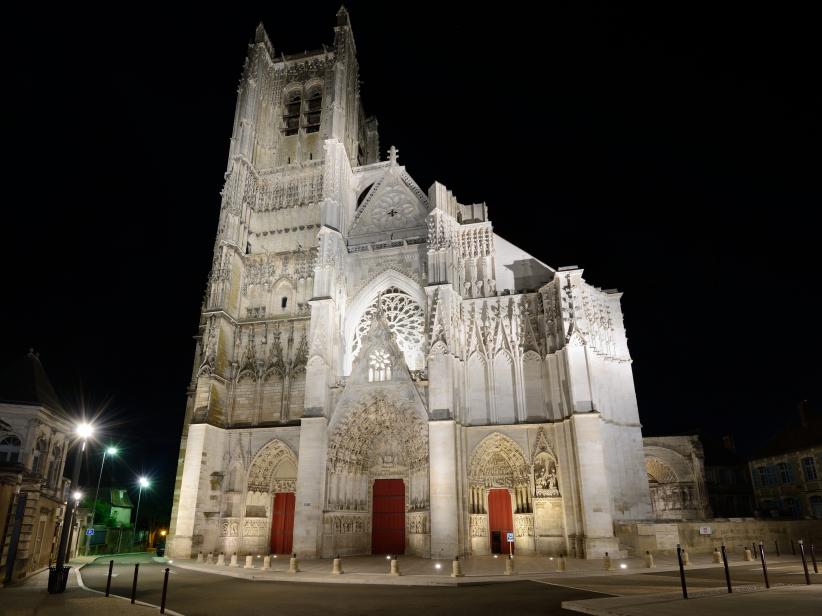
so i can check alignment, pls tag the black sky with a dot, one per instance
(673, 152)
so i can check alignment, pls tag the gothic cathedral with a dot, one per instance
(376, 370)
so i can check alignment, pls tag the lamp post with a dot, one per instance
(110, 451)
(83, 431)
(143, 484)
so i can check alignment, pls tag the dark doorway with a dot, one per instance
(388, 517)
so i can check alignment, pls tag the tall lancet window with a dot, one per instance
(379, 366)
(313, 110)
(291, 113)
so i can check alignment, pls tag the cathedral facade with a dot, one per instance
(376, 370)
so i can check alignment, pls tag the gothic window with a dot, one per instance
(291, 113)
(283, 302)
(379, 366)
(405, 320)
(809, 469)
(313, 109)
(10, 449)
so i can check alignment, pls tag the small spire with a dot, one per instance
(392, 155)
(261, 36)
(342, 17)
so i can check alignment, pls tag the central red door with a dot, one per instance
(388, 517)
(282, 523)
(500, 520)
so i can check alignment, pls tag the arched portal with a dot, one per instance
(377, 479)
(269, 511)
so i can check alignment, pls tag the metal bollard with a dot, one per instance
(606, 562)
(509, 565)
(649, 559)
(727, 572)
(134, 583)
(561, 564)
(764, 564)
(108, 583)
(813, 560)
(681, 571)
(776, 545)
(165, 590)
(754, 551)
(804, 562)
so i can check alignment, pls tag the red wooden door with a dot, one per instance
(282, 523)
(388, 517)
(500, 519)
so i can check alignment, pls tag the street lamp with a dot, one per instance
(110, 451)
(84, 432)
(143, 484)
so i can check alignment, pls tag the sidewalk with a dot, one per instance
(794, 600)
(417, 571)
(32, 597)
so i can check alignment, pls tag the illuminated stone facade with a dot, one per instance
(357, 328)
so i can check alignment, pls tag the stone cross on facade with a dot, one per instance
(392, 155)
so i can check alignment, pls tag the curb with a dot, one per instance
(136, 602)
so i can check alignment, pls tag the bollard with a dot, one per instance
(681, 571)
(813, 560)
(748, 555)
(199, 557)
(509, 565)
(293, 565)
(165, 590)
(395, 566)
(804, 562)
(234, 560)
(649, 560)
(134, 583)
(456, 567)
(108, 583)
(336, 567)
(606, 562)
(221, 559)
(727, 572)
(776, 545)
(717, 557)
(686, 560)
(561, 564)
(764, 564)
(266, 563)
(210, 558)
(249, 562)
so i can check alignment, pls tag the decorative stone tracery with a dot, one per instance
(406, 320)
(263, 474)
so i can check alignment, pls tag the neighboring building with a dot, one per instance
(676, 477)
(787, 473)
(377, 371)
(35, 434)
(121, 506)
(727, 479)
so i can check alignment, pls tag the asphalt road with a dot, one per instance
(193, 593)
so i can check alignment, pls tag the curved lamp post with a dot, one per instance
(84, 432)
(143, 484)
(108, 451)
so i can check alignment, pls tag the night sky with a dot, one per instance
(672, 153)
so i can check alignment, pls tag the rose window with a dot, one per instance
(379, 366)
(405, 319)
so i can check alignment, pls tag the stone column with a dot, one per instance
(443, 477)
(180, 544)
(308, 511)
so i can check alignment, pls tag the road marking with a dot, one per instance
(573, 587)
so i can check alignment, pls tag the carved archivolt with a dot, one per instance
(262, 476)
(498, 462)
(659, 472)
(380, 432)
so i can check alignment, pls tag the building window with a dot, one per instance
(379, 366)
(283, 303)
(816, 506)
(785, 472)
(767, 475)
(313, 109)
(40, 453)
(790, 507)
(809, 469)
(10, 449)
(291, 113)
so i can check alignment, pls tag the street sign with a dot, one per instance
(510, 537)
(89, 531)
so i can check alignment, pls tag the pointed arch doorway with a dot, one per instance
(500, 520)
(282, 523)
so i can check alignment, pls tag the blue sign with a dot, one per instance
(510, 537)
(89, 531)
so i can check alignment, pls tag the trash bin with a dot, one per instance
(58, 579)
(161, 551)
